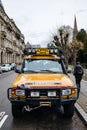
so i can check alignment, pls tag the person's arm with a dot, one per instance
(74, 71)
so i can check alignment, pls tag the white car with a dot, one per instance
(6, 67)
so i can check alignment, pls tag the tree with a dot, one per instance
(81, 36)
(61, 40)
(75, 47)
(82, 54)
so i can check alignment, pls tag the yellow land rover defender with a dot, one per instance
(42, 81)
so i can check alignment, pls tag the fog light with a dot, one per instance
(52, 94)
(35, 94)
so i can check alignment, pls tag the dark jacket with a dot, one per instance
(78, 71)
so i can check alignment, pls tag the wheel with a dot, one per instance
(17, 110)
(69, 110)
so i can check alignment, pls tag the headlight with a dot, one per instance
(19, 92)
(66, 92)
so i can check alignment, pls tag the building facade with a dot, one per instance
(11, 39)
(28, 45)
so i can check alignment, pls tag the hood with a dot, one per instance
(42, 80)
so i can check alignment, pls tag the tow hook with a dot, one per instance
(27, 108)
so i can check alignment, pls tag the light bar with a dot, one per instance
(42, 51)
(54, 51)
(29, 51)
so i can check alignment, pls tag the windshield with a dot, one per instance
(42, 66)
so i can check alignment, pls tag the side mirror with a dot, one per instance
(17, 71)
(69, 71)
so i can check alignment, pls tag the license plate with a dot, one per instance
(35, 94)
(52, 94)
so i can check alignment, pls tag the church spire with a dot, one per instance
(75, 30)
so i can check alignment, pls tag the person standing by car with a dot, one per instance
(78, 73)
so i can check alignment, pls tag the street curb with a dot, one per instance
(82, 113)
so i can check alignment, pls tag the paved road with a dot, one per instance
(40, 119)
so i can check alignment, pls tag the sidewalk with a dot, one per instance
(81, 107)
(81, 104)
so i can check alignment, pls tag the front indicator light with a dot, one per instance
(19, 92)
(12, 92)
(74, 92)
(66, 92)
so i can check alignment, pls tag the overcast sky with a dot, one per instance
(37, 19)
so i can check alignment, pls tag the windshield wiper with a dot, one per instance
(48, 71)
(31, 71)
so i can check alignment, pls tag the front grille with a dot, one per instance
(43, 92)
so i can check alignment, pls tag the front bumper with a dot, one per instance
(36, 101)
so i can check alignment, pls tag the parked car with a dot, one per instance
(6, 67)
(0, 70)
(13, 66)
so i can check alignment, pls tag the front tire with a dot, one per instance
(17, 110)
(69, 110)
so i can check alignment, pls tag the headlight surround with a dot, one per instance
(20, 92)
(66, 92)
